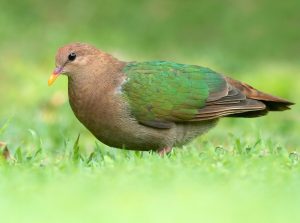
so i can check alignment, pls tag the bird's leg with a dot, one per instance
(162, 152)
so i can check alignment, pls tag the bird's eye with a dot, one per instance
(72, 56)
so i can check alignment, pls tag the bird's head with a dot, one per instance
(73, 60)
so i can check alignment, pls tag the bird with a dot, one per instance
(152, 105)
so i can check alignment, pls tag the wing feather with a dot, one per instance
(162, 93)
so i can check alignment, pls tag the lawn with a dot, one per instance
(244, 170)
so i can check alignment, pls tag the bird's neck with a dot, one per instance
(87, 92)
(80, 95)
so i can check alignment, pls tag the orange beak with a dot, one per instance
(54, 75)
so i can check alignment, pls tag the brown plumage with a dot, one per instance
(132, 105)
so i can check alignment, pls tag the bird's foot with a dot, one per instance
(162, 152)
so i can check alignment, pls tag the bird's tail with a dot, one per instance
(272, 103)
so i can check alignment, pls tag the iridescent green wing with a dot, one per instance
(160, 93)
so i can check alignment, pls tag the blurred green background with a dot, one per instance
(254, 41)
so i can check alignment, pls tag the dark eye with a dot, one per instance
(72, 56)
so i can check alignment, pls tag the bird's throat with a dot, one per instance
(81, 96)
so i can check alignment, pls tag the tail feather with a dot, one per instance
(272, 103)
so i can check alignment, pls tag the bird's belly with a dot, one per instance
(188, 131)
(134, 136)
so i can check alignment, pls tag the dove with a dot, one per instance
(152, 105)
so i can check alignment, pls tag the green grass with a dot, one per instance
(243, 182)
(244, 170)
